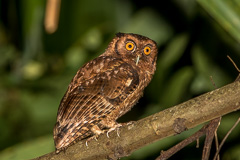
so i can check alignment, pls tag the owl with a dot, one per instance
(105, 88)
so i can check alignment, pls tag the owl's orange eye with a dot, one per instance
(129, 46)
(147, 50)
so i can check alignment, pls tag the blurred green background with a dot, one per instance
(194, 39)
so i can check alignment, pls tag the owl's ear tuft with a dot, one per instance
(119, 34)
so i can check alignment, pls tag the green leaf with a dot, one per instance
(29, 150)
(206, 68)
(166, 61)
(176, 87)
(226, 13)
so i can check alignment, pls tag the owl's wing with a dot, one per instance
(92, 100)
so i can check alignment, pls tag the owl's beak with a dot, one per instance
(137, 59)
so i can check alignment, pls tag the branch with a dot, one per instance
(224, 139)
(210, 126)
(157, 126)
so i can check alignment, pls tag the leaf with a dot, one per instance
(176, 86)
(226, 13)
(206, 68)
(166, 61)
(29, 150)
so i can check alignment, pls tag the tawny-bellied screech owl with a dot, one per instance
(105, 88)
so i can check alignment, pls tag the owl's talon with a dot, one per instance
(107, 134)
(113, 128)
(89, 139)
(129, 123)
(118, 132)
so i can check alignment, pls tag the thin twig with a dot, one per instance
(211, 126)
(213, 83)
(225, 138)
(182, 144)
(210, 133)
(217, 144)
(233, 63)
(238, 77)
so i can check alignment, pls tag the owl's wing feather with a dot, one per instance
(92, 99)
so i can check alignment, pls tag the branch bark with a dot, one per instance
(155, 127)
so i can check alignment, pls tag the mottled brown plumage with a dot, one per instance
(105, 88)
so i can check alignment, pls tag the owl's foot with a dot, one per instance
(117, 126)
(89, 139)
(97, 131)
(128, 123)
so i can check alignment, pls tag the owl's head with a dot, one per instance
(134, 49)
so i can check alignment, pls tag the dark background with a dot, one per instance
(36, 67)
